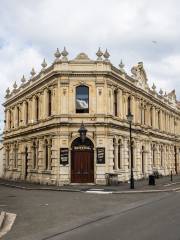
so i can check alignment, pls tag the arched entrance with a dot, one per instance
(82, 161)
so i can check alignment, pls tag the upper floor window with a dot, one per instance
(37, 108)
(49, 103)
(27, 112)
(115, 103)
(129, 104)
(82, 99)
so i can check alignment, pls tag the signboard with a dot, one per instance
(64, 156)
(101, 155)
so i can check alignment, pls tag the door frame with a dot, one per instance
(70, 159)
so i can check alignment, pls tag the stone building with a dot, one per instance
(1, 157)
(44, 114)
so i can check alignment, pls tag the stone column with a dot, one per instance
(110, 154)
(120, 104)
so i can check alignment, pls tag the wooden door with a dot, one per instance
(82, 166)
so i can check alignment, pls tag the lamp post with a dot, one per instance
(130, 118)
(82, 132)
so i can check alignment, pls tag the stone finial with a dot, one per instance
(57, 55)
(121, 66)
(106, 56)
(44, 64)
(7, 92)
(64, 53)
(165, 94)
(15, 85)
(99, 54)
(32, 72)
(23, 80)
(153, 87)
(161, 92)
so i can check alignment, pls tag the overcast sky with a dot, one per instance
(131, 30)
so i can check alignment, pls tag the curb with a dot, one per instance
(84, 191)
(49, 189)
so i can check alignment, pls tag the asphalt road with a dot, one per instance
(159, 219)
(46, 215)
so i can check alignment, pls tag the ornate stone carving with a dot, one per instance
(82, 57)
(44, 64)
(23, 80)
(57, 55)
(106, 56)
(64, 54)
(140, 75)
(32, 72)
(121, 66)
(99, 54)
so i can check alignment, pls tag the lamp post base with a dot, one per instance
(132, 183)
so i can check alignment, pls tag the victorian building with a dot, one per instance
(46, 142)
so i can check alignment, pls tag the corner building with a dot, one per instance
(44, 114)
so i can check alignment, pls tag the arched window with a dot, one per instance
(119, 154)
(15, 155)
(35, 154)
(46, 154)
(129, 104)
(142, 158)
(151, 117)
(7, 156)
(18, 113)
(153, 154)
(27, 112)
(158, 119)
(10, 118)
(49, 103)
(82, 99)
(37, 108)
(115, 103)
(114, 153)
(161, 151)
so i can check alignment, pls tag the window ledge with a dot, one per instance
(33, 170)
(46, 171)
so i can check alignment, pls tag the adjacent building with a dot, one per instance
(44, 115)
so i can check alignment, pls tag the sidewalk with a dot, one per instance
(163, 184)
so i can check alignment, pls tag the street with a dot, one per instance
(54, 215)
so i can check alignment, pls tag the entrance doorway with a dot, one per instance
(82, 161)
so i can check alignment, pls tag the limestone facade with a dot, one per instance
(41, 119)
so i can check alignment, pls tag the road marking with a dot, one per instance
(98, 192)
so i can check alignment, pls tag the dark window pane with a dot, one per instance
(82, 99)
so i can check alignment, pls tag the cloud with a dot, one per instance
(32, 30)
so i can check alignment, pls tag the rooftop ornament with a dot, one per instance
(121, 66)
(154, 87)
(44, 64)
(15, 85)
(7, 92)
(64, 54)
(106, 56)
(57, 55)
(32, 73)
(23, 80)
(99, 55)
(161, 92)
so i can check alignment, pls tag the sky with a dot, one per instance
(131, 30)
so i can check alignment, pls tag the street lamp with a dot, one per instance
(130, 118)
(82, 132)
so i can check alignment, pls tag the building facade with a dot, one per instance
(1, 157)
(44, 114)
